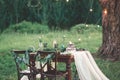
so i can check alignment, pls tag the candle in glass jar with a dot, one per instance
(55, 45)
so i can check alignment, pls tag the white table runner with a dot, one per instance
(86, 66)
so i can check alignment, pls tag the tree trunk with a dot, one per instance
(111, 29)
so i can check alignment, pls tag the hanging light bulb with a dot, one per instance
(105, 11)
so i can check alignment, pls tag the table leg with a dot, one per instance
(68, 68)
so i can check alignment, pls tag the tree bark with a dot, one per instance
(111, 29)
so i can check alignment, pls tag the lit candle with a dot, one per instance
(55, 45)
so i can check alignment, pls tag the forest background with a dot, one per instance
(56, 14)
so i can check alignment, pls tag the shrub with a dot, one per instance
(27, 27)
(83, 28)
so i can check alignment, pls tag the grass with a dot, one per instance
(90, 41)
(23, 41)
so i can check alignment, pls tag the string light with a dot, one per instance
(79, 39)
(86, 25)
(91, 10)
(67, 0)
(98, 25)
(105, 11)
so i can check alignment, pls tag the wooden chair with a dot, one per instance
(46, 58)
(23, 66)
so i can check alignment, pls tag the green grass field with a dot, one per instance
(90, 40)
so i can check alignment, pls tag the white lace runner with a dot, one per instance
(86, 66)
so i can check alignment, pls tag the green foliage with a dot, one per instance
(11, 12)
(54, 13)
(7, 67)
(85, 28)
(27, 27)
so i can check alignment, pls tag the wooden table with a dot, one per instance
(67, 59)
